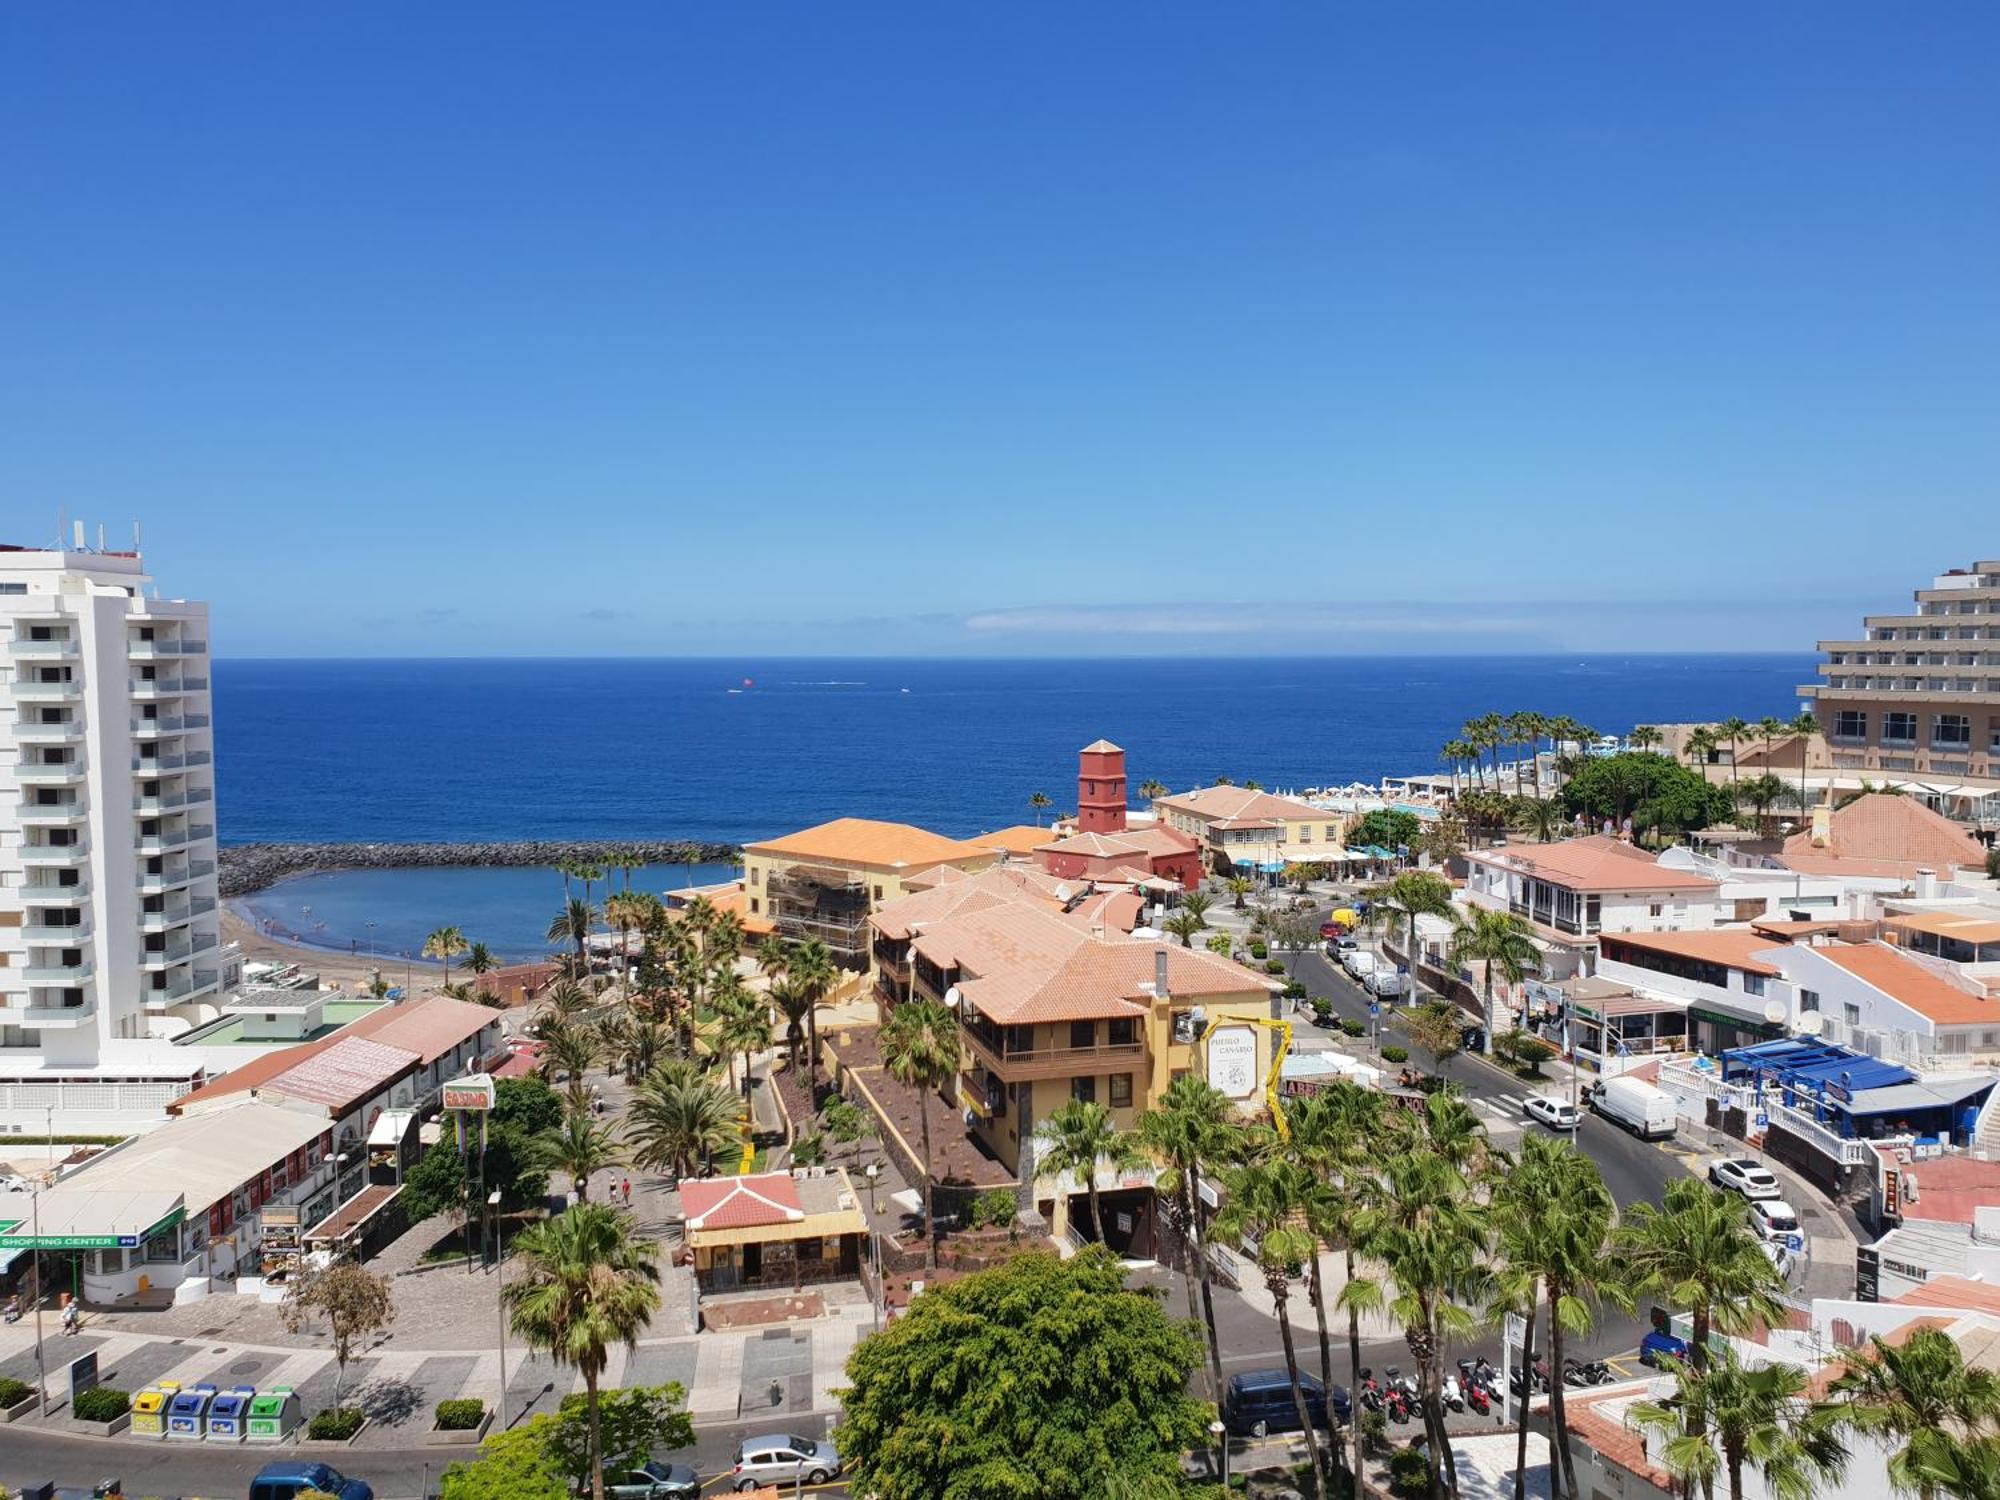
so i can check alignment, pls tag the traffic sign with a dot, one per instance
(1795, 1243)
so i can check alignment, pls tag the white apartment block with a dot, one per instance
(109, 930)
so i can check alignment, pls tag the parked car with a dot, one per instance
(1557, 1114)
(1359, 962)
(1740, 1175)
(281, 1481)
(1385, 981)
(1257, 1403)
(1331, 930)
(1773, 1218)
(653, 1481)
(1639, 1107)
(781, 1458)
(1659, 1342)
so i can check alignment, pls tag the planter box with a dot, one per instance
(346, 1442)
(19, 1409)
(101, 1429)
(459, 1437)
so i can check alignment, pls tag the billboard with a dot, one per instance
(1232, 1060)
(474, 1091)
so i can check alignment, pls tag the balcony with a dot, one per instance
(32, 814)
(198, 868)
(54, 856)
(147, 729)
(57, 976)
(195, 721)
(41, 650)
(154, 765)
(198, 757)
(41, 773)
(164, 958)
(55, 1017)
(164, 802)
(56, 936)
(162, 843)
(194, 684)
(1054, 1062)
(56, 895)
(151, 884)
(160, 921)
(147, 692)
(47, 692)
(66, 733)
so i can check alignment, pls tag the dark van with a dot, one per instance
(281, 1481)
(1259, 1402)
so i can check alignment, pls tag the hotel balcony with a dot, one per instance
(173, 916)
(39, 773)
(56, 895)
(30, 733)
(57, 976)
(195, 721)
(32, 814)
(147, 729)
(156, 765)
(1052, 1062)
(156, 884)
(59, 937)
(163, 843)
(22, 650)
(54, 856)
(198, 758)
(50, 1015)
(165, 958)
(149, 692)
(164, 802)
(47, 692)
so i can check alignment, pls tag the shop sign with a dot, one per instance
(475, 1091)
(1232, 1061)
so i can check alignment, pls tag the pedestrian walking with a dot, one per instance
(70, 1315)
(628, 1192)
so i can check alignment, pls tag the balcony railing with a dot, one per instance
(56, 895)
(1054, 1062)
(151, 764)
(56, 936)
(57, 976)
(40, 773)
(49, 814)
(47, 692)
(58, 856)
(41, 650)
(29, 733)
(163, 725)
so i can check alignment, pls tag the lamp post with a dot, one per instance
(41, 1364)
(1221, 1435)
(500, 1300)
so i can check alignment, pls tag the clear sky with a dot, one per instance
(659, 328)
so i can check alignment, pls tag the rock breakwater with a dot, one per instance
(244, 868)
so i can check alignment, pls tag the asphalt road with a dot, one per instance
(29, 1456)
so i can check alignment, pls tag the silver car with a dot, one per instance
(782, 1458)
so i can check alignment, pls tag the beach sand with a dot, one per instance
(336, 970)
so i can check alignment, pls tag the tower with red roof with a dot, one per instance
(1100, 788)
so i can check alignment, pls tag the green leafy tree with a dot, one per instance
(443, 1180)
(446, 943)
(1386, 828)
(572, 925)
(1185, 925)
(678, 1118)
(1437, 1028)
(1038, 803)
(586, 1283)
(1220, 944)
(813, 971)
(581, 1147)
(353, 1304)
(1761, 792)
(514, 1465)
(480, 960)
(1079, 1137)
(920, 1050)
(1040, 1377)
(1650, 789)
(1409, 896)
(1758, 1417)
(633, 1425)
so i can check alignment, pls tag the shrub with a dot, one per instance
(1259, 948)
(1396, 1054)
(995, 1206)
(808, 1151)
(332, 1426)
(843, 1121)
(1295, 989)
(1274, 966)
(102, 1403)
(1409, 1473)
(1354, 1028)
(461, 1415)
(12, 1390)
(1374, 1431)
(1322, 1007)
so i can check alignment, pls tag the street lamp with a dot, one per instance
(1221, 1435)
(874, 1194)
(499, 1300)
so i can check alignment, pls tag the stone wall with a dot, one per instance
(243, 868)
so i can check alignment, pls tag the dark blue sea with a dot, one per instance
(627, 749)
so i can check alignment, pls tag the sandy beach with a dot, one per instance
(336, 970)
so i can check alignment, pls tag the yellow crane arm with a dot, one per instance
(1284, 1030)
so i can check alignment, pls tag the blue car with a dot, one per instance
(1656, 1343)
(283, 1481)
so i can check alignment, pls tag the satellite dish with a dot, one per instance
(1811, 1023)
(1774, 1011)
(952, 997)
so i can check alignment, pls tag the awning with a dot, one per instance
(811, 1227)
(79, 1218)
(391, 1126)
(1904, 1097)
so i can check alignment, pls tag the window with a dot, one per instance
(1851, 1014)
(1122, 1032)
(1899, 728)
(1654, 909)
(1850, 724)
(756, 876)
(1753, 984)
(1084, 1089)
(1121, 1090)
(1083, 1033)
(753, 905)
(1951, 731)
(1808, 999)
(878, 893)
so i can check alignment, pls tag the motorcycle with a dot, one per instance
(1452, 1394)
(1480, 1372)
(1399, 1395)
(1578, 1372)
(1478, 1400)
(1371, 1391)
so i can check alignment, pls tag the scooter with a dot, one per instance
(1371, 1391)
(1478, 1400)
(1577, 1372)
(1480, 1372)
(1452, 1394)
(1399, 1395)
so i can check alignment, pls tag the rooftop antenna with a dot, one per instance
(100, 536)
(79, 536)
(135, 533)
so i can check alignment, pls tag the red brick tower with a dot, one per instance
(1100, 788)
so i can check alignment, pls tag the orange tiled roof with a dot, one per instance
(1965, 926)
(1953, 1187)
(741, 1202)
(1733, 949)
(1953, 1291)
(865, 841)
(1882, 835)
(1905, 980)
(430, 1027)
(1020, 838)
(1235, 802)
(955, 891)
(1595, 863)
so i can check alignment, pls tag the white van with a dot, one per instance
(1639, 1107)
(1359, 962)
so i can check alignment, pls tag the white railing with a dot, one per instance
(1849, 1153)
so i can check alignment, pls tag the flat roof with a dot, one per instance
(349, 1072)
(207, 1155)
(86, 1220)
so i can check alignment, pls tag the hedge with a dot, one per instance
(1354, 1028)
(1396, 1054)
(12, 1390)
(101, 1403)
(460, 1415)
(1274, 966)
(335, 1426)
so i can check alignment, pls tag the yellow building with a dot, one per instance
(1252, 832)
(823, 882)
(1050, 1011)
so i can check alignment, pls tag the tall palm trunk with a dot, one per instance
(1096, 1210)
(930, 1223)
(1201, 1276)
(812, 1049)
(596, 1444)
(1276, 1281)
(1521, 1418)
(1193, 1268)
(1354, 1377)
(1559, 1463)
(1316, 1294)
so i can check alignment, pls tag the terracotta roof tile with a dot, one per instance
(344, 1074)
(1883, 835)
(1595, 863)
(865, 841)
(1241, 802)
(1905, 980)
(430, 1027)
(1734, 949)
(741, 1202)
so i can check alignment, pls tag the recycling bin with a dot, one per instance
(149, 1411)
(229, 1414)
(187, 1412)
(274, 1414)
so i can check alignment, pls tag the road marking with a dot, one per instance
(1620, 1364)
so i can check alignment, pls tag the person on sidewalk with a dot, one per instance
(70, 1317)
(626, 1188)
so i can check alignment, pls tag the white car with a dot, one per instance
(1359, 962)
(1557, 1114)
(1746, 1177)
(1773, 1219)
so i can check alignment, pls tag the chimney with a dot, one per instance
(1160, 973)
(1822, 823)
(1927, 885)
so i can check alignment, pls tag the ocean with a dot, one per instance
(731, 751)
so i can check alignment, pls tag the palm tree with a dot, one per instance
(1410, 895)
(1188, 1132)
(1075, 1139)
(1238, 887)
(1553, 1217)
(920, 1050)
(445, 943)
(1038, 803)
(1198, 902)
(1644, 737)
(586, 1283)
(1696, 1250)
(1730, 731)
(1337, 1133)
(1494, 940)
(1701, 743)
(1541, 816)
(794, 1004)
(678, 1118)
(743, 1027)
(1923, 1396)
(581, 1147)
(1805, 726)
(479, 960)
(1266, 1203)
(814, 971)
(1768, 729)
(1758, 1416)
(572, 925)
(774, 957)
(627, 914)
(1184, 925)
(570, 1049)
(1152, 790)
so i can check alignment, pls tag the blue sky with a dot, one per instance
(456, 329)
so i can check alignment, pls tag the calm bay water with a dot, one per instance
(618, 749)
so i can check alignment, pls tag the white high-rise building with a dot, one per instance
(110, 941)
